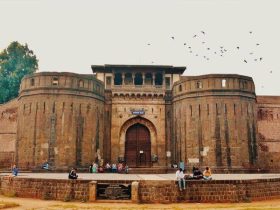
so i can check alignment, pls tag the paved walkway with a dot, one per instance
(111, 176)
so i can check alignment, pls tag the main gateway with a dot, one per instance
(145, 115)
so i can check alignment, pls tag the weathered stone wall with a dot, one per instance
(60, 119)
(48, 189)
(148, 191)
(8, 132)
(269, 132)
(215, 121)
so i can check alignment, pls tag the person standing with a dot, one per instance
(180, 177)
(14, 170)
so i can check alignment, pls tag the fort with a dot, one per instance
(147, 116)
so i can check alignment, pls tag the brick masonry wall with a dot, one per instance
(215, 125)
(148, 191)
(269, 132)
(8, 132)
(61, 119)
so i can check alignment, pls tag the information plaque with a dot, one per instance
(106, 191)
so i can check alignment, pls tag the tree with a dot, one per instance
(15, 62)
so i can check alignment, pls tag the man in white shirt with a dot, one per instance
(180, 177)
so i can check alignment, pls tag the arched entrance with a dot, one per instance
(138, 146)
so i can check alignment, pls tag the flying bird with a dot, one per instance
(190, 47)
(194, 36)
(270, 72)
(185, 43)
(237, 48)
(203, 32)
(245, 61)
(261, 58)
(203, 42)
(255, 59)
(149, 44)
(257, 44)
(251, 53)
(172, 37)
(250, 32)
(208, 48)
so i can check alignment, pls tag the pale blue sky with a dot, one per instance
(68, 35)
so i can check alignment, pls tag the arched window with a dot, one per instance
(148, 79)
(118, 79)
(55, 81)
(158, 79)
(180, 88)
(224, 83)
(128, 79)
(138, 80)
(199, 84)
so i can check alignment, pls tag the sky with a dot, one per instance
(206, 36)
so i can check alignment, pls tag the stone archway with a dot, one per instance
(142, 121)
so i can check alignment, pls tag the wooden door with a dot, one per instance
(138, 146)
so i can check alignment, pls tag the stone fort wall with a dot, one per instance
(146, 191)
(269, 132)
(60, 119)
(214, 121)
(8, 132)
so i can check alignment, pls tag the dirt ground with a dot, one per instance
(35, 204)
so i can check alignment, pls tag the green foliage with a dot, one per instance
(15, 62)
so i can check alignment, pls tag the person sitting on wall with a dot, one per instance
(120, 167)
(114, 168)
(14, 170)
(207, 174)
(108, 168)
(73, 174)
(90, 168)
(126, 169)
(174, 165)
(94, 168)
(180, 177)
(100, 169)
(45, 165)
(197, 174)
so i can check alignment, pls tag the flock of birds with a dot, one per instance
(220, 51)
(202, 49)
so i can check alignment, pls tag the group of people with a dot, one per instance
(94, 168)
(108, 168)
(197, 174)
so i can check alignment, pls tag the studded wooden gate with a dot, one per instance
(138, 146)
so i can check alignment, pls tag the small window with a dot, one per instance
(32, 82)
(224, 83)
(198, 84)
(55, 81)
(81, 83)
(180, 88)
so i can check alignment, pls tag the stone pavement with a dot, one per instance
(115, 176)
